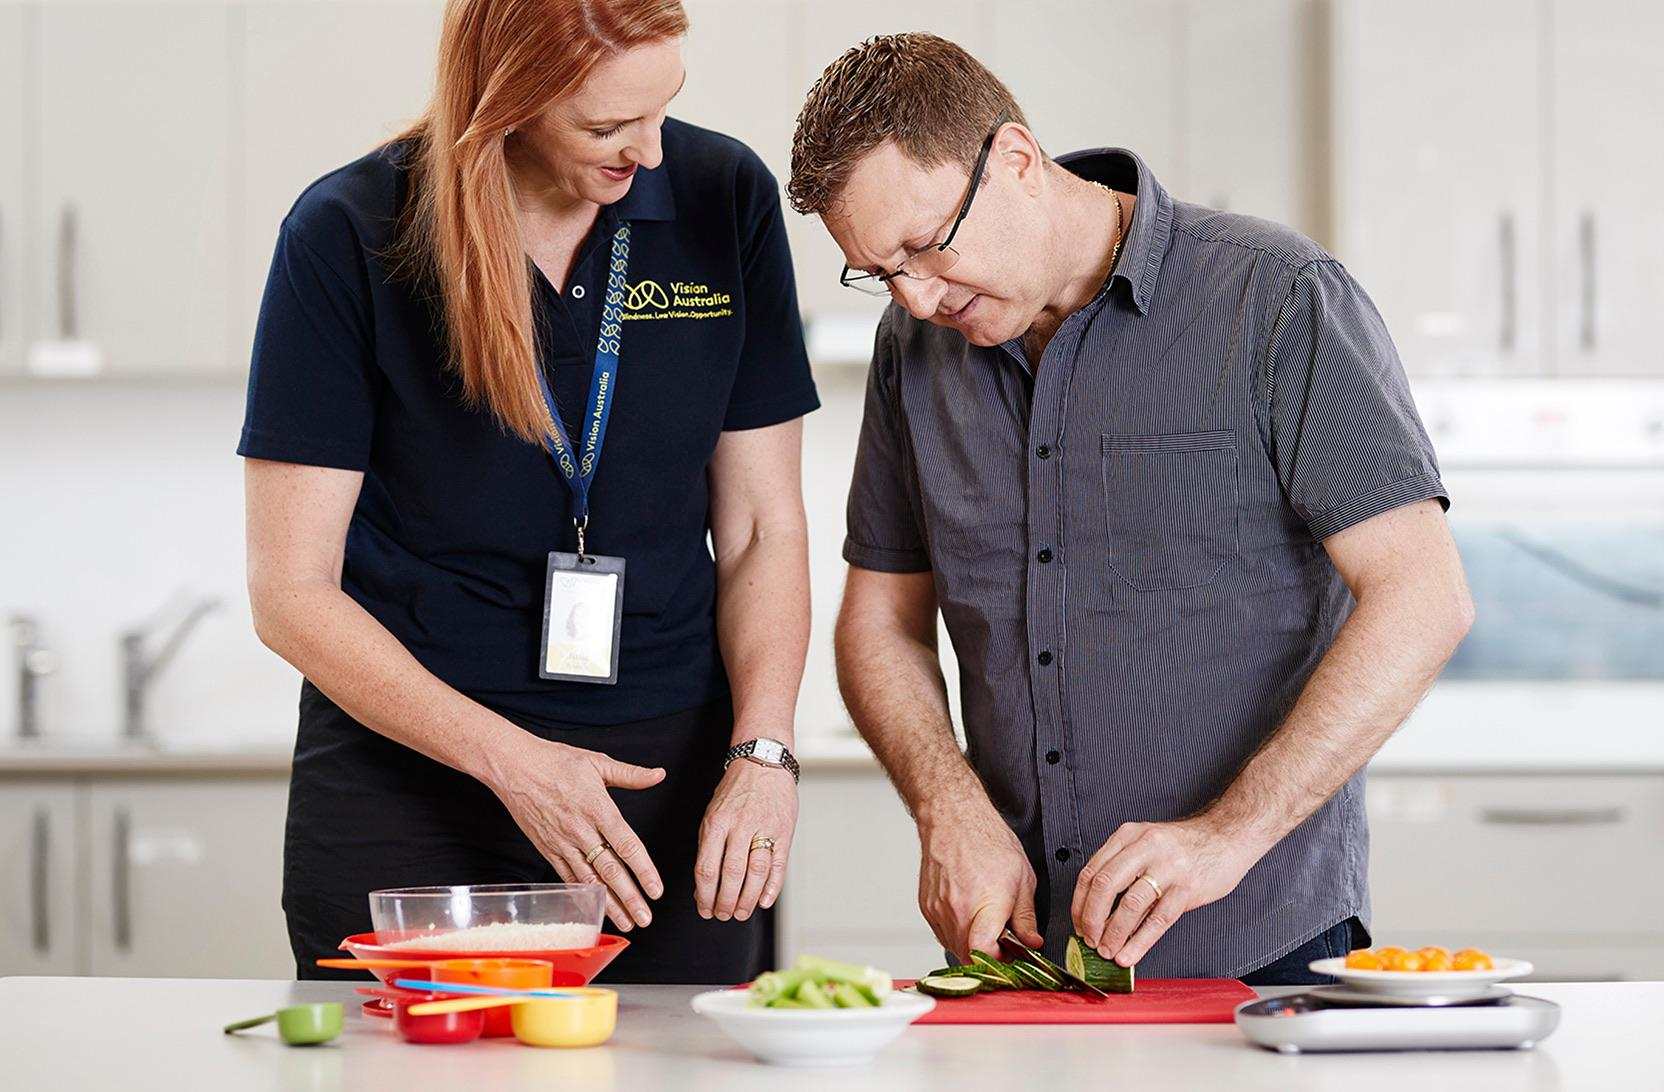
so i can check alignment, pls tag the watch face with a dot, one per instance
(769, 750)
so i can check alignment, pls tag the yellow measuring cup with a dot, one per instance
(584, 1018)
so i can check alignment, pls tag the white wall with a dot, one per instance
(116, 496)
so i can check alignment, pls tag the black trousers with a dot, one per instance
(366, 813)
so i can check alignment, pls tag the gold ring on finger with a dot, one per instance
(589, 858)
(762, 842)
(1156, 887)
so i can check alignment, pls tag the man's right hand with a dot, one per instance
(974, 879)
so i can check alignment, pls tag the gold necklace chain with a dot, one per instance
(1120, 225)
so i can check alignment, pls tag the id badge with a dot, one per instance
(583, 606)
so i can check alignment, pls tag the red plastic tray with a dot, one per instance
(1155, 1001)
(572, 966)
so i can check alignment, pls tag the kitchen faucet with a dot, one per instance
(33, 664)
(139, 669)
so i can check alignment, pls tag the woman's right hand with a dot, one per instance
(558, 796)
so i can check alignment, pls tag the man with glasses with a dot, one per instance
(1158, 468)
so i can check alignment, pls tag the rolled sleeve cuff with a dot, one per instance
(772, 411)
(883, 560)
(1332, 521)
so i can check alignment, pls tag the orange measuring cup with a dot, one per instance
(508, 974)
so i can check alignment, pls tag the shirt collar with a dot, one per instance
(1152, 215)
(650, 196)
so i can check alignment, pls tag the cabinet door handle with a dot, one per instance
(121, 881)
(1553, 817)
(1586, 334)
(1510, 302)
(40, 879)
(68, 247)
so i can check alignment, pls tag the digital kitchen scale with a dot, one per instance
(1330, 1018)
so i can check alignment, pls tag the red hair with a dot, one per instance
(501, 64)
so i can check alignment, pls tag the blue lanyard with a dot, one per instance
(577, 462)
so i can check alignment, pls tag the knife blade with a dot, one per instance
(1008, 937)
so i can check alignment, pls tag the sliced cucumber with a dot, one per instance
(949, 985)
(987, 965)
(1084, 962)
(1042, 978)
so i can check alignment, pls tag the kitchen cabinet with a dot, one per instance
(40, 927)
(1556, 869)
(1605, 274)
(143, 875)
(130, 231)
(1251, 105)
(14, 29)
(1438, 179)
(183, 880)
(323, 84)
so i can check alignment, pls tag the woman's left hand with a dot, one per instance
(730, 880)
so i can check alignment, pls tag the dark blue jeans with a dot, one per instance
(1292, 969)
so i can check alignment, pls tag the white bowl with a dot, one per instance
(1450, 984)
(812, 1037)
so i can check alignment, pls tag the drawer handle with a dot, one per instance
(1553, 817)
(121, 886)
(40, 881)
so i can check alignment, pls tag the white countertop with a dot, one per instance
(164, 1034)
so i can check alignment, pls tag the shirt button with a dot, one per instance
(1062, 855)
(1045, 556)
(577, 291)
(1053, 757)
(1045, 659)
(1043, 451)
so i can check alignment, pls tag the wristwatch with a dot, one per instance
(764, 752)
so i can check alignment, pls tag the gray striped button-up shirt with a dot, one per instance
(1126, 543)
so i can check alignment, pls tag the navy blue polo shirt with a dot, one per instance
(450, 535)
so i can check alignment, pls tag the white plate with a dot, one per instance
(1452, 984)
(812, 1037)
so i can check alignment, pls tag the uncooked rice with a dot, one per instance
(506, 936)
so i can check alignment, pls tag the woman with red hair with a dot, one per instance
(512, 368)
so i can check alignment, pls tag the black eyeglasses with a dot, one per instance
(938, 258)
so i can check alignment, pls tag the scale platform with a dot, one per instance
(1333, 1019)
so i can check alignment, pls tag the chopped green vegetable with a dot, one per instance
(1084, 962)
(869, 980)
(947, 985)
(988, 965)
(814, 997)
(846, 996)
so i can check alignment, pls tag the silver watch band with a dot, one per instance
(767, 752)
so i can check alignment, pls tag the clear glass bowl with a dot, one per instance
(465, 913)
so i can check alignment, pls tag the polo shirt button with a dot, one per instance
(1053, 757)
(1045, 556)
(577, 291)
(1045, 659)
(1043, 451)
(1062, 855)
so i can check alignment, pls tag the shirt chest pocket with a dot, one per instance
(1171, 506)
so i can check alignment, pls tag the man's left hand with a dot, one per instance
(1160, 871)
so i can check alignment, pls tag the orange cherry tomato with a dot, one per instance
(1389, 953)
(1472, 959)
(1434, 958)
(1363, 960)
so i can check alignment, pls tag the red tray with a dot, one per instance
(1156, 1001)
(572, 966)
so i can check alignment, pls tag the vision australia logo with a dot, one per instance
(648, 299)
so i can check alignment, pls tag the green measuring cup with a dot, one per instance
(299, 1025)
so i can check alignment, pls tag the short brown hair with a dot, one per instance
(936, 101)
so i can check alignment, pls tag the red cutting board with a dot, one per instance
(1155, 1001)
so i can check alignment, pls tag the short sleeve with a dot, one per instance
(311, 389)
(772, 383)
(1345, 435)
(882, 518)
